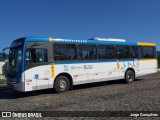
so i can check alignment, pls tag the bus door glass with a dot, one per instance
(37, 65)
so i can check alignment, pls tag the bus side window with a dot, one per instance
(110, 52)
(87, 52)
(41, 55)
(133, 52)
(139, 51)
(102, 52)
(28, 56)
(36, 55)
(122, 52)
(64, 52)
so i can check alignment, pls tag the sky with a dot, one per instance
(132, 20)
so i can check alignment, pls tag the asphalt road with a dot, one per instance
(141, 95)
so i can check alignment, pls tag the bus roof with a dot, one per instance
(80, 41)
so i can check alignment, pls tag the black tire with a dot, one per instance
(61, 84)
(129, 76)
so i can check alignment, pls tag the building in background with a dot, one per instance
(3, 67)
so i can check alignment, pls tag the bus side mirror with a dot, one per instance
(4, 55)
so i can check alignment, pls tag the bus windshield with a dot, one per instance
(15, 60)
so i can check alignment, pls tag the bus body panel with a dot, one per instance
(147, 66)
(82, 71)
(18, 86)
(37, 78)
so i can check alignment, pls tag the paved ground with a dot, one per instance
(141, 95)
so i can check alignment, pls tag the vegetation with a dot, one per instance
(3, 82)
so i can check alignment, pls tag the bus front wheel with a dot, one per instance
(129, 76)
(62, 84)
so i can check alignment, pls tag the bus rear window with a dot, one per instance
(148, 52)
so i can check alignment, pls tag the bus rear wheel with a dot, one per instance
(62, 84)
(129, 76)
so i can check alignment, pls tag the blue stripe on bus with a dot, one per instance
(37, 39)
(83, 62)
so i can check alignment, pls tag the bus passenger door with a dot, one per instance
(37, 66)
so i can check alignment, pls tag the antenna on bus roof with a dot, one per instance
(109, 39)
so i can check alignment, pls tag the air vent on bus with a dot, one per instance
(109, 39)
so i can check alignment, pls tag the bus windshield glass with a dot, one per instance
(15, 60)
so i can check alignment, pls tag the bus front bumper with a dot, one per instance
(12, 84)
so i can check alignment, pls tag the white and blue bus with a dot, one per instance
(41, 63)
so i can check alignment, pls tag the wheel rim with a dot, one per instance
(130, 77)
(62, 84)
